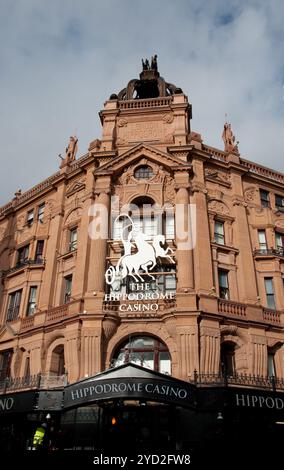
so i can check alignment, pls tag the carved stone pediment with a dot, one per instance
(74, 187)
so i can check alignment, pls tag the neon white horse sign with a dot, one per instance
(145, 258)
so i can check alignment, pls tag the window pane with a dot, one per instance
(219, 233)
(170, 226)
(271, 365)
(269, 286)
(279, 201)
(164, 363)
(73, 239)
(40, 213)
(39, 249)
(279, 240)
(223, 278)
(32, 301)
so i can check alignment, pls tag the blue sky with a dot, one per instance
(60, 60)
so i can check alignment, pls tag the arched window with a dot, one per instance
(228, 366)
(143, 172)
(145, 351)
(57, 361)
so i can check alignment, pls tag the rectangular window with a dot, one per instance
(270, 365)
(40, 212)
(32, 300)
(270, 299)
(166, 283)
(73, 239)
(264, 198)
(219, 235)
(39, 250)
(170, 226)
(279, 239)
(14, 303)
(223, 284)
(279, 202)
(22, 255)
(67, 288)
(5, 364)
(30, 217)
(262, 240)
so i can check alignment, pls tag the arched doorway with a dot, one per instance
(145, 351)
(57, 363)
(228, 363)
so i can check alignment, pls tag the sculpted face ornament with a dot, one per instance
(144, 259)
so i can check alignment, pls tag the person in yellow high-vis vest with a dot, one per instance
(39, 436)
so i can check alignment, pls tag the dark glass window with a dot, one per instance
(39, 250)
(228, 366)
(40, 212)
(279, 202)
(5, 364)
(146, 352)
(143, 172)
(14, 304)
(67, 288)
(73, 239)
(262, 240)
(22, 255)
(32, 300)
(279, 239)
(30, 217)
(223, 284)
(271, 364)
(270, 298)
(264, 198)
(219, 234)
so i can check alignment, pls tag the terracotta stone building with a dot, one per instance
(215, 320)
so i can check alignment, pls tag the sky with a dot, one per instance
(60, 60)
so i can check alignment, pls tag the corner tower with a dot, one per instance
(148, 110)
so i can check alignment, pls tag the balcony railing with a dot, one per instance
(38, 382)
(241, 380)
(232, 308)
(269, 252)
(24, 264)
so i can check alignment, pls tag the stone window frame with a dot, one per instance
(228, 228)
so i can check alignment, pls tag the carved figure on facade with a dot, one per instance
(229, 139)
(70, 152)
(169, 189)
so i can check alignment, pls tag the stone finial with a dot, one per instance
(229, 139)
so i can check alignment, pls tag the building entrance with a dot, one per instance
(138, 427)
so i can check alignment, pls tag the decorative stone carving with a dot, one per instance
(168, 118)
(250, 194)
(74, 215)
(219, 176)
(20, 222)
(122, 122)
(169, 190)
(74, 187)
(50, 207)
(219, 207)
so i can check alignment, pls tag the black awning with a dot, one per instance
(17, 402)
(130, 381)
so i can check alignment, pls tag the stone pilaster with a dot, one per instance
(184, 257)
(71, 355)
(209, 348)
(187, 338)
(91, 352)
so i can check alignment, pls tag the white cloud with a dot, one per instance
(61, 61)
